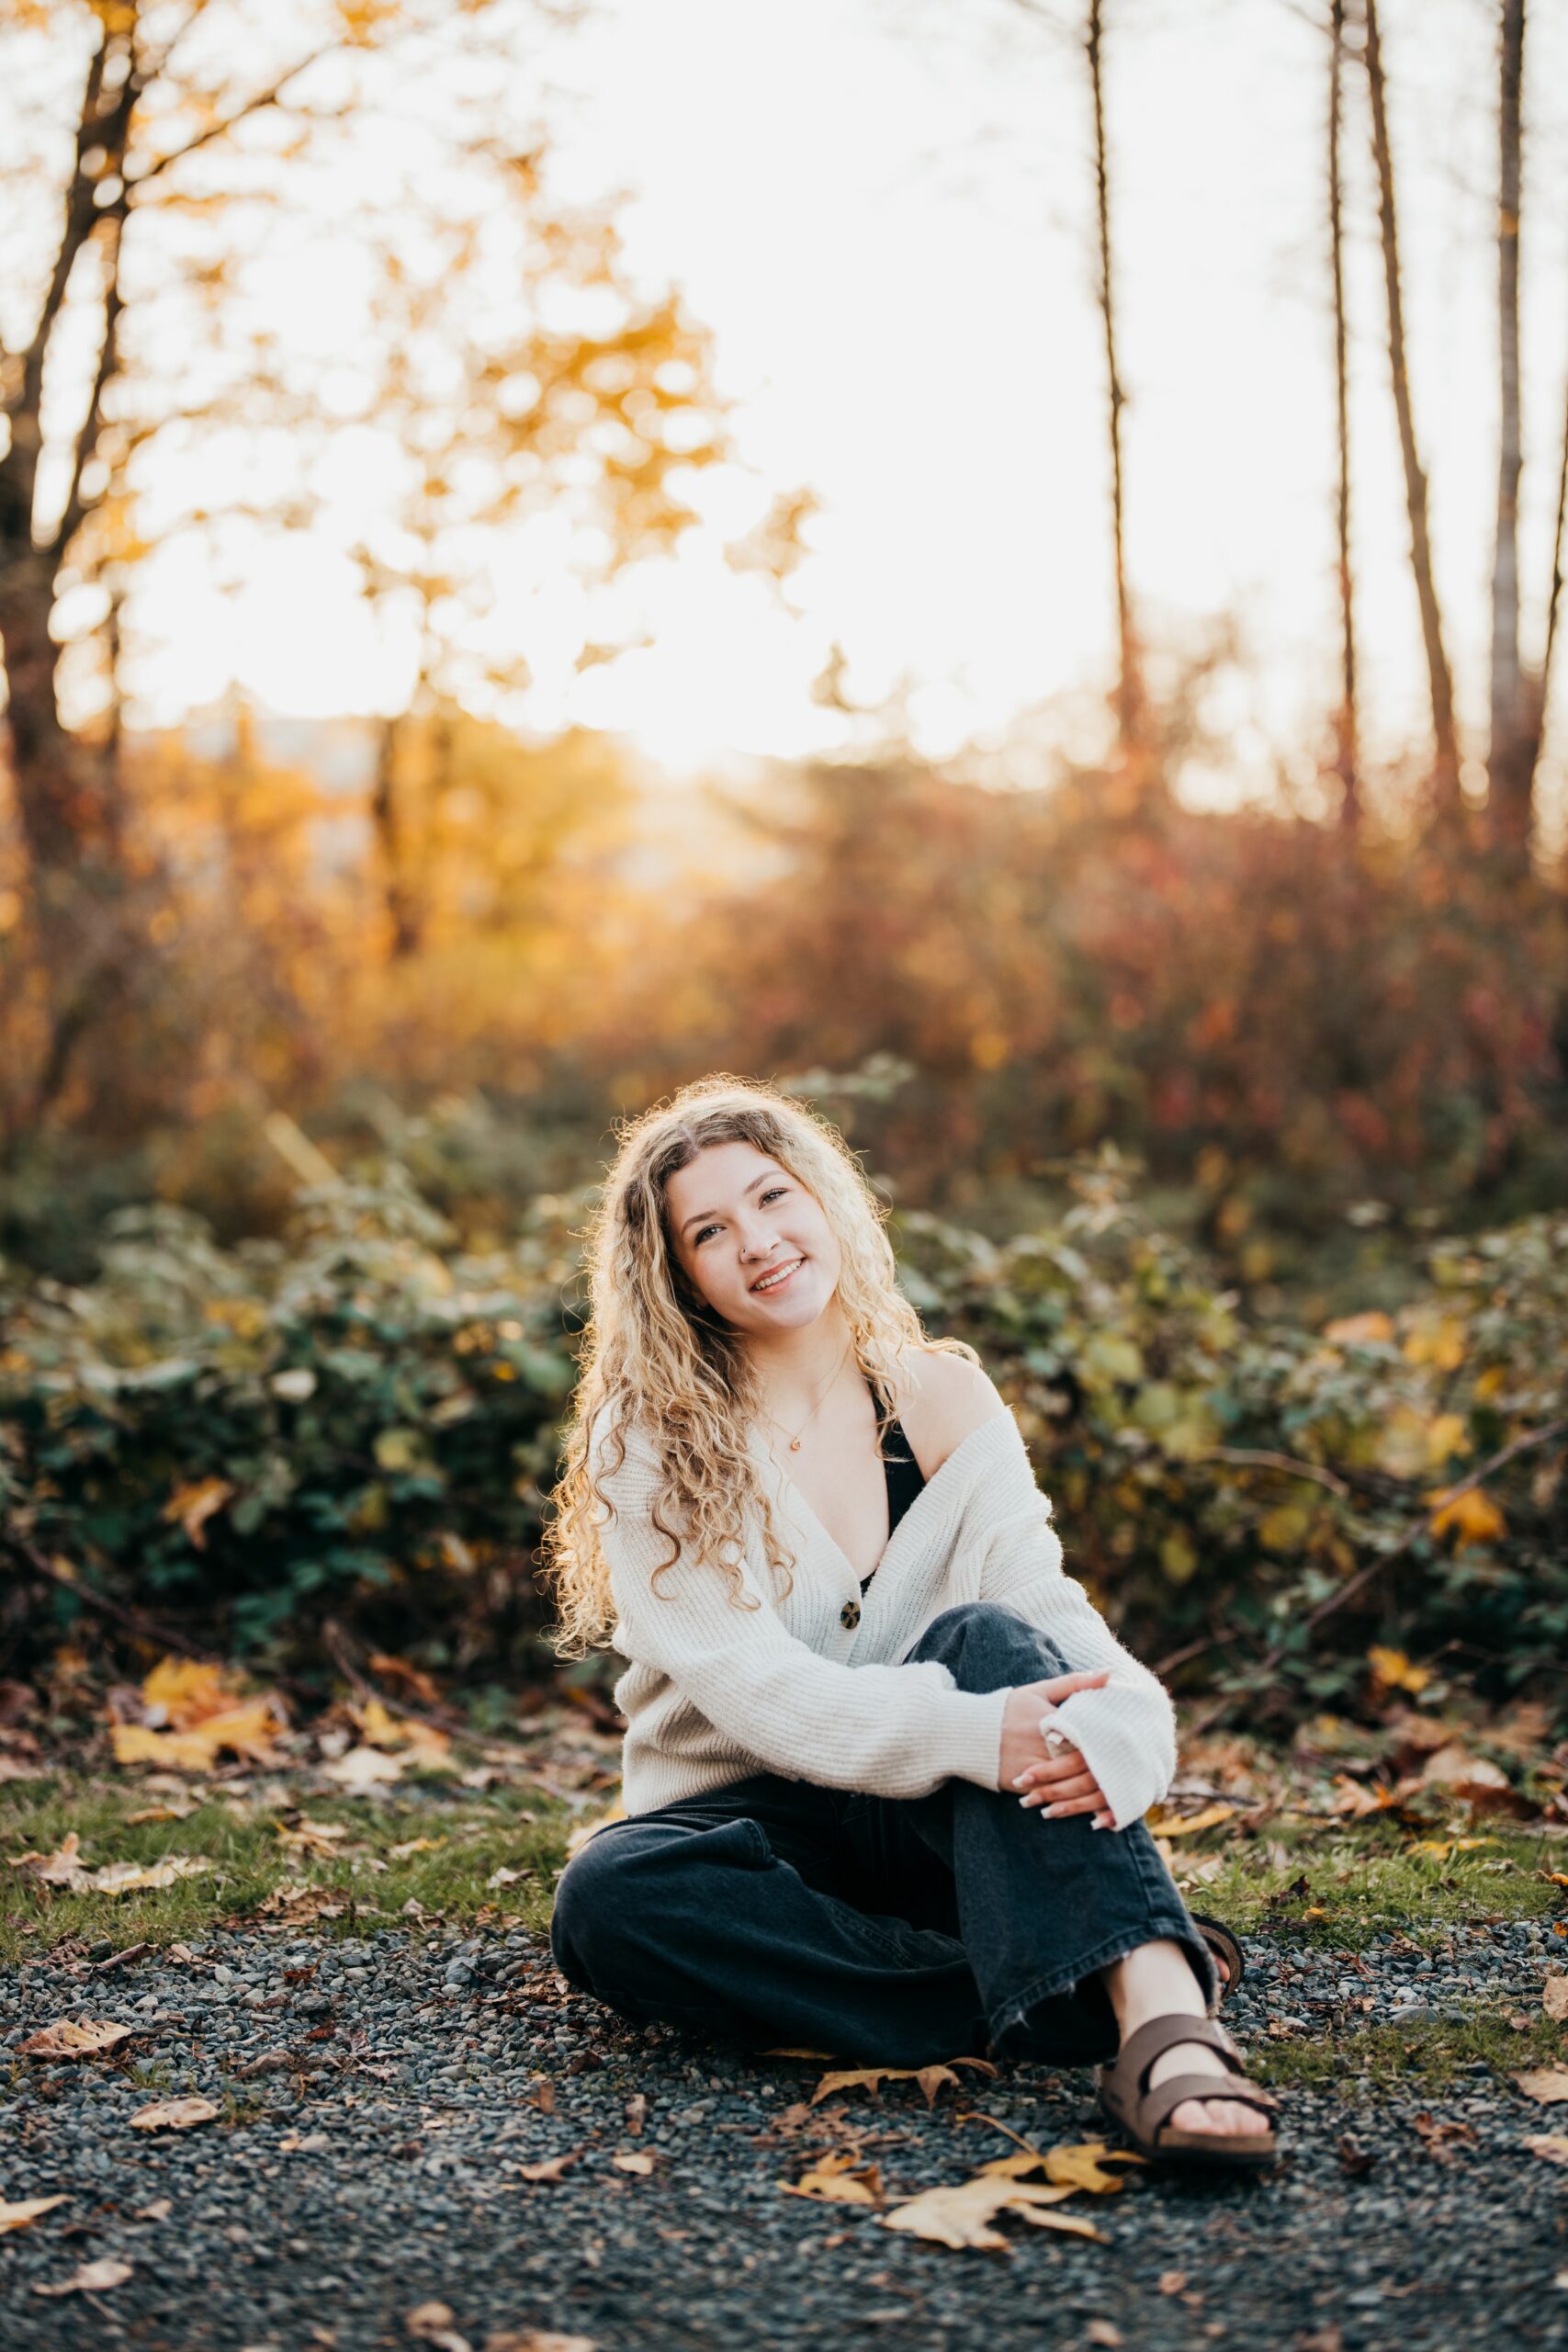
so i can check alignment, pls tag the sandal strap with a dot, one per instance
(1141, 2048)
(1155, 2108)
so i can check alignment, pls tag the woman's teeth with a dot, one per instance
(772, 1281)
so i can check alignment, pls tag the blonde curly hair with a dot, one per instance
(656, 1356)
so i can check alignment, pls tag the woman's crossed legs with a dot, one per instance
(896, 1932)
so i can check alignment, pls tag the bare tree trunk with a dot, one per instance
(1444, 778)
(1541, 686)
(1510, 760)
(386, 816)
(1129, 689)
(1345, 725)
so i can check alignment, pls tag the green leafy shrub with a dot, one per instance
(358, 1422)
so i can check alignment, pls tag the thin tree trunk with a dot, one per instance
(386, 816)
(1446, 762)
(1541, 686)
(1346, 728)
(1509, 761)
(1129, 689)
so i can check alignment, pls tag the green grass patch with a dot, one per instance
(1375, 2060)
(470, 1838)
(1364, 1880)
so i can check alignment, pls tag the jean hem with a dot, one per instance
(1053, 1983)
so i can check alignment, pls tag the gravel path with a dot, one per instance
(388, 2090)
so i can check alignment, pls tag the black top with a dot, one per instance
(905, 1479)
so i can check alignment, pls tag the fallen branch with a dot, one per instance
(335, 1642)
(1246, 1458)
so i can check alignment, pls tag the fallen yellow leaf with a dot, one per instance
(381, 1728)
(248, 1731)
(961, 2213)
(835, 2180)
(1179, 1824)
(74, 2038)
(174, 2114)
(27, 2210)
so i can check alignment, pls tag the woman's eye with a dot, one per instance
(773, 1193)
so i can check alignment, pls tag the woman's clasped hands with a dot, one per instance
(1057, 1781)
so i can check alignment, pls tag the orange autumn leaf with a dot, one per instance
(191, 1507)
(929, 2078)
(837, 2180)
(1471, 1517)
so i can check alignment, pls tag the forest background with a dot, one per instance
(1200, 1011)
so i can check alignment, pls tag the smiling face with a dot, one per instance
(736, 1218)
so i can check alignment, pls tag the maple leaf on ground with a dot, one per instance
(961, 2213)
(74, 2038)
(1552, 2145)
(1554, 1996)
(92, 2278)
(380, 1727)
(174, 2114)
(929, 2078)
(837, 2180)
(26, 2210)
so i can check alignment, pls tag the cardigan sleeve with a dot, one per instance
(1125, 1731)
(894, 1731)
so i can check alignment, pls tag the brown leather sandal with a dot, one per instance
(1143, 2114)
(1223, 1946)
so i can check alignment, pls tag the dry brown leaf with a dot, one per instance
(294, 1903)
(960, 2213)
(159, 2210)
(1163, 1824)
(158, 1813)
(411, 1846)
(838, 2180)
(26, 2209)
(174, 2114)
(537, 2339)
(79, 2038)
(637, 2160)
(1554, 1996)
(435, 2323)
(1548, 2086)
(92, 2278)
(1552, 2145)
(1372, 1328)
(62, 1868)
(1171, 2282)
(1103, 2330)
(364, 1768)
(136, 1878)
(551, 2168)
(929, 2078)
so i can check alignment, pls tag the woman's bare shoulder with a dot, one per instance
(943, 1399)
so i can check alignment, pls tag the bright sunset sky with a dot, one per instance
(884, 211)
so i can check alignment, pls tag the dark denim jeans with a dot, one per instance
(889, 1931)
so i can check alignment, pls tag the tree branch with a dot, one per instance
(221, 129)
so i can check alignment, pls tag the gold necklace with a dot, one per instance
(794, 1442)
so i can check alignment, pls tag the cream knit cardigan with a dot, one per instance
(715, 1691)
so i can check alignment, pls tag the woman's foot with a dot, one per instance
(1158, 1980)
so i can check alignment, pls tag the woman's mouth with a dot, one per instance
(778, 1277)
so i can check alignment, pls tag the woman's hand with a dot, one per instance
(1058, 1781)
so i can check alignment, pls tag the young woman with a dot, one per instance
(885, 1766)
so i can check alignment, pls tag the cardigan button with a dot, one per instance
(849, 1616)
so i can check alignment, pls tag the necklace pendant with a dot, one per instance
(795, 1445)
